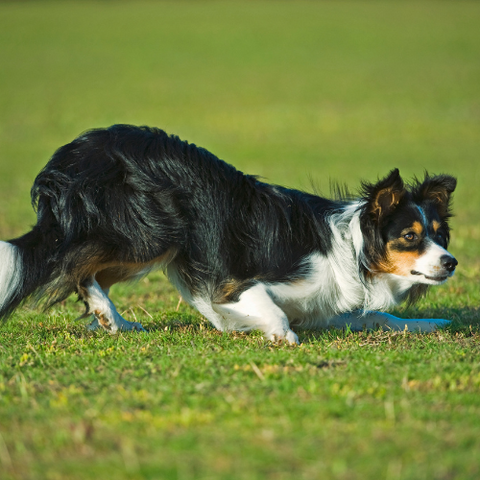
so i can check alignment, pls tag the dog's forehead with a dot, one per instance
(409, 214)
(428, 213)
(418, 217)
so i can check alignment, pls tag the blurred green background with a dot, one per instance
(296, 91)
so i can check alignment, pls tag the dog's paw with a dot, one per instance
(289, 337)
(114, 327)
(131, 326)
(292, 338)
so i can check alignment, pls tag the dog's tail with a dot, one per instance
(23, 269)
(11, 270)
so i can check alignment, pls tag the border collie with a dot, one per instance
(118, 202)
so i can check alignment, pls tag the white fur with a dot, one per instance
(346, 258)
(429, 263)
(424, 217)
(100, 304)
(10, 271)
(256, 310)
(333, 286)
(203, 305)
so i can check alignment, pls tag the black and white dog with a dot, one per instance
(118, 202)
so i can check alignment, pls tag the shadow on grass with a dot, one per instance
(465, 323)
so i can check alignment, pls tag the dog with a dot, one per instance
(116, 203)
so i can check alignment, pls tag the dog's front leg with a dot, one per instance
(106, 315)
(255, 310)
(359, 320)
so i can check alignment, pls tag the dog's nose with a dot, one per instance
(448, 263)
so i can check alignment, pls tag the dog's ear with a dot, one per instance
(383, 197)
(437, 189)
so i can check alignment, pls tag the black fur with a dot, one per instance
(132, 194)
(398, 208)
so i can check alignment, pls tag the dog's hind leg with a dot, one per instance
(94, 291)
(255, 310)
(106, 315)
(371, 320)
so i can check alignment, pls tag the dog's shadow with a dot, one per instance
(464, 321)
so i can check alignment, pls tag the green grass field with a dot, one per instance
(295, 91)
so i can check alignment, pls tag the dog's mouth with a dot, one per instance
(438, 278)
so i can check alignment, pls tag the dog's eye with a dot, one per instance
(410, 237)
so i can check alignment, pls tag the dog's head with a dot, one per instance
(406, 228)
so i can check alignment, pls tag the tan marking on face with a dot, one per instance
(436, 225)
(398, 263)
(416, 227)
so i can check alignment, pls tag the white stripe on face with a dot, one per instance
(424, 219)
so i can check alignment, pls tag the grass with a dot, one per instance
(288, 90)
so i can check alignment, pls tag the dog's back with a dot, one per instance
(118, 202)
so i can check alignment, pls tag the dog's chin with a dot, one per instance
(419, 277)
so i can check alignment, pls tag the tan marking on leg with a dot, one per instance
(230, 290)
(103, 320)
(109, 276)
(108, 273)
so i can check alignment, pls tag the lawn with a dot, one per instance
(299, 92)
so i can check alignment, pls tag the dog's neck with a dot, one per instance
(348, 261)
